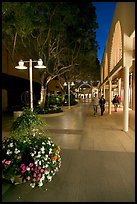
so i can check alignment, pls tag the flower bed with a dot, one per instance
(33, 157)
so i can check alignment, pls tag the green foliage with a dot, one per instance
(58, 32)
(28, 153)
(34, 159)
(27, 124)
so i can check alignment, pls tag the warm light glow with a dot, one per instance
(40, 64)
(72, 83)
(21, 65)
(65, 84)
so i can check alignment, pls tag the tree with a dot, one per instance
(61, 33)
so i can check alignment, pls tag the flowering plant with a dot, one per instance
(34, 158)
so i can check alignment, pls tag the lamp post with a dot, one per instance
(72, 84)
(21, 66)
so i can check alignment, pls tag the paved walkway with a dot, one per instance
(98, 160)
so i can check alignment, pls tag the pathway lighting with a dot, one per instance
(21, 66)
(69, 84)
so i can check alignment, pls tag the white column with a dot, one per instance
(126, 90)
(31, 89)
(119, 87)
(104, 91)
(110, 97)
(69, 95)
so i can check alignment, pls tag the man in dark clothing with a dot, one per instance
(102, 102)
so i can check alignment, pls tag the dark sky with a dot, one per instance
(104, 12)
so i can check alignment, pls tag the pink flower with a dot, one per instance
(23, 171)
(22, 165)
(3, 161)
(46, 171)
(34, 179)
(39, 167)
(30, 165)
(38, 179)
(28, 178)
(42, 170)
(39, 175)
(7, 162)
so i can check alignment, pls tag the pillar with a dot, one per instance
(104, 91)
(126, 90)
(110, 97)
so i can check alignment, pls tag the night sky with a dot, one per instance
(104, 12)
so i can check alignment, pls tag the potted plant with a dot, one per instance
(28, 154)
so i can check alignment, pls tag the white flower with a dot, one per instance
(36, 162)
(39, 162)
(46, 157)
(43, 143)
(38, 156)
(42, 149)
(16, 151)
(49, 178)
(49, 143)
(32, 185)
(40, 184)
(12, 179)
(43, 177)
(32, 154)
(10, 145)
(28, 168)
(9, 152)
(50, 151)
(34, 134)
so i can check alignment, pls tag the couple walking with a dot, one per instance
(96, 102)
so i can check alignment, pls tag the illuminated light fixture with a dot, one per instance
(40, 64)
(72, 83)
(21, 66)
(65, 84)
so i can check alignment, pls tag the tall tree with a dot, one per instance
(61, 33)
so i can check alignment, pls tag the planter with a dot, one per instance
(16, 179)
(17, 113)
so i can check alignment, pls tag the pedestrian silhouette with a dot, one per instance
(95, 102)
(115, 103)
(102, 102)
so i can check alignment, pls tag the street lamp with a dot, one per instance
(72, 84)
(21, 66)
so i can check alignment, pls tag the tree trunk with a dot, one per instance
(44, 92)
(43, 96)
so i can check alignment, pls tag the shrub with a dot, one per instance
(29, 153)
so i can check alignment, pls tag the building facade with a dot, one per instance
(118, 61)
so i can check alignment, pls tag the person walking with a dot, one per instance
(95, 102)
(119, 100)
(115, 103)
(102, 102)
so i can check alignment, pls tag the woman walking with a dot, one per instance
(102, 102)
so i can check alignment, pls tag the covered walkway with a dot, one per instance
(98, 160)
